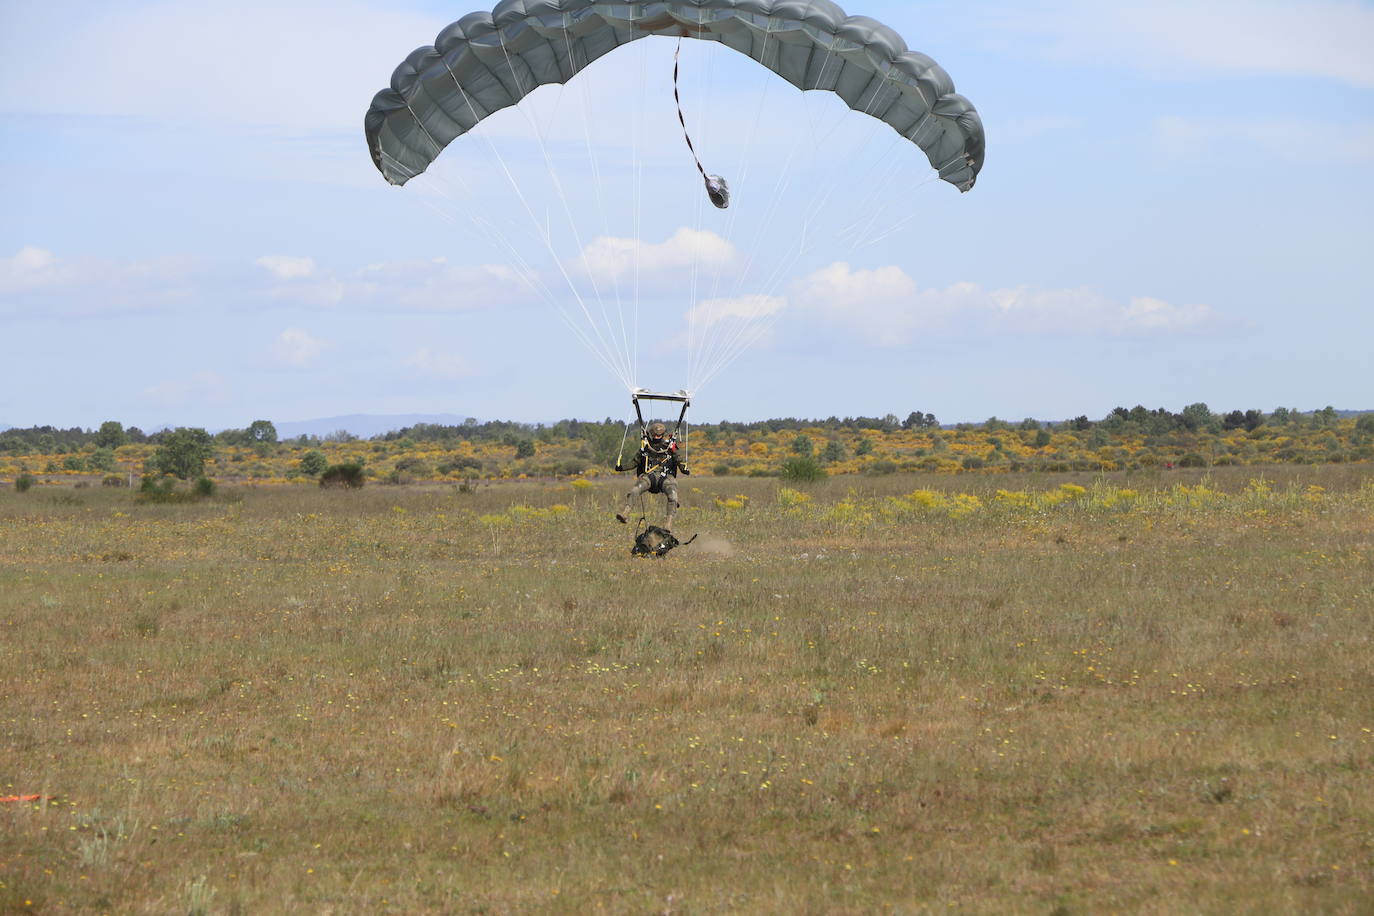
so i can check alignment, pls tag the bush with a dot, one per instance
(313, 463)
(1192, 460)
(23, 482)
(801, 469)
(183, 453)
(348, 475)
(882, 466)
(720, 470)
(114, 480)
(461, 463)
(164, 489)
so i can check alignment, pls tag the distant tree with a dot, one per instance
(865, 446)
(1042, 438)
(261, 431)
(1280, 417)
(183, 452)
(110, 435)
(1197, 417)
(1081, 422)
(313, 463)
(102, 459)
(918, 420)
(833, 451)
(1365, 423)
(524, 448)
(802, 445)
(1325, 417)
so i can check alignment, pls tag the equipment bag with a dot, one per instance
(655, 542)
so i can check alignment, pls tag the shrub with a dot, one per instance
(23, 482)
(313, 463)
(882, 466)
(720, 470)
(348, 475)
(183, 452)
(164, 489)
(114, 480)
(461, 463)
(1192, 460)
(801, 469)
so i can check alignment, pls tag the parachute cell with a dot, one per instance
(486, 62)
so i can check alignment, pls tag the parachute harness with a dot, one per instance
(717, 188)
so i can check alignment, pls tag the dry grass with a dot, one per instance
(893, 699)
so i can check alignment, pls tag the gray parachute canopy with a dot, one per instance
(485, 62)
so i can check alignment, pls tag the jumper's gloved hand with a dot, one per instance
(618, 469)
(682, 468)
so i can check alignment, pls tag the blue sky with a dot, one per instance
(1176, 206)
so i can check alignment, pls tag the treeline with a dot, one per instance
(601, 435)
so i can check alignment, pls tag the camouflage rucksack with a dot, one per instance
(655, 542)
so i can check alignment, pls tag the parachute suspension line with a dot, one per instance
(493, 231)
(750, 335)
(900, 224)
(637, 166)
(567, 212)
(605, 353)
(726, 342)
(746, 334)
(588, 109)
(695, 372)
(692, 334)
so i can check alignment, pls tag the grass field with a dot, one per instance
(1015, 694)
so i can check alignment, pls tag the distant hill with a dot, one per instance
(363, 425)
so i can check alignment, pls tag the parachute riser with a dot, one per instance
(681, 397)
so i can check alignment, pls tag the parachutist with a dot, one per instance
(656, 468)
(718, 189)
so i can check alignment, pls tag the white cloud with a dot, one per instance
(37, 281)
(740, 308)
(30, 268)
(1312, 142)
(887, 306)
(877, 302)
(1172, 38)
(438, 286)
(287, 267)
(609, 259)
(297, 348)
(428, 363)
